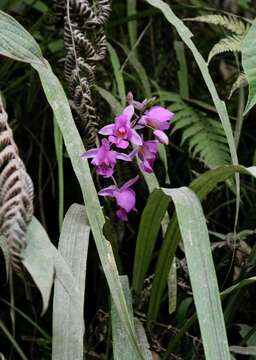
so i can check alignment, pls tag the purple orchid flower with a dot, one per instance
(161, 137)
(147, 154)
(157, 117)
(125, 197)
(122, 132)
(105, 159)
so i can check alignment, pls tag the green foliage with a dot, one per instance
(165, 246)
(231, 23)
(232, 42)
(204, 134)
(248, 62)
(28, 51)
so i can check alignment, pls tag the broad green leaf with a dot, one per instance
(202, 186)
(58, 142)
(201, 271)
(150, 224)
(68, 320)
(27, 51)
(38, 259)
(249, 65)
(122, 349)
(14, 34)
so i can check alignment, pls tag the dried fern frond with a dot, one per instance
(231, 43)
(231, 23)
(16, 193)
(85, 44)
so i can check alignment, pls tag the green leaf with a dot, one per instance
(186, 36)
(13, 341)
(172, 287)
(58, 142)
(38, 259)
(68, 320)
(249, 65)
(183, 69)
(202, 186)
(115, 105)
(201, 271)
(150, 224)
(25, 49)
(132, 25)
(118, 73)
(122, 349)
(248, 350)
(18, 44)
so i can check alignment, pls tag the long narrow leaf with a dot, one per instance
(202, 186)
(68, 320)
(201, 271)
(20, 48)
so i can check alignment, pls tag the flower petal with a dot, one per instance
(129, 112)
(107, 130)
(130, 182)
(109, 191)
(106, 172)
(135, 138)
(160, 113)
(161, 137)
(122, 144)
(125, 199)
(122, 214)
(90, 153)
(125, 157)
(145, 165)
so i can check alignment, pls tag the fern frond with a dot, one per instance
(16, 193)
(205, 136)
(231, 43)
(231, 23)
(85, 44)
(240, 81)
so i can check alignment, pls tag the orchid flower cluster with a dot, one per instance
(128, 130)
